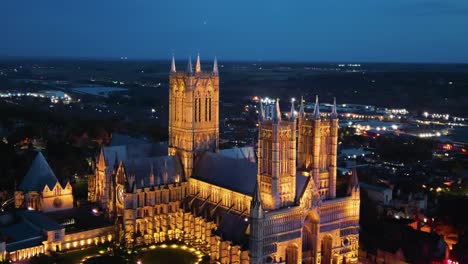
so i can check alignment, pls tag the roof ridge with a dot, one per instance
(39, 175)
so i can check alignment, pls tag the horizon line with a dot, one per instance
(91, 58)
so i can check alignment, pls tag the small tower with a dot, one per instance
(353, 186)
(277, 112)
(189, 66)
(151, 177)
(301, 108)
(316, 140)
(292, 113)
(334, 114)
(261, 115)
(193, 114)
(173, 66)
(215, 67)
(333, 149)
(198, 65)
(256, 227)
(316, 108)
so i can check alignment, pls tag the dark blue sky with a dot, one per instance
(296, 30)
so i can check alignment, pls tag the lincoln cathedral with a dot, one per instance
(283, 208)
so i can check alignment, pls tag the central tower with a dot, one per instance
(193, 113)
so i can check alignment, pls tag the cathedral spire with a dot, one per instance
(277, 112)
(189, 66)
(261, 116)
(101, 159)
(116, 163)
(316, 109)
(131, 182)
(151, 179)
(256, 208)
(334, 114)
(353, 182)
(301, 108)
(165, 173)
(292, 114)
(158, 179)
(198, 65)
(256, 198)
(215, 66)
(173, 68)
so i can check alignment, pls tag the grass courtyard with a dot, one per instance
(75, 256)
(167, 255)
(160, 254)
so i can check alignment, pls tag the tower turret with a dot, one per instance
(198, 64)
(292, 113)
(334, 114)
(261, 115)
(301, 108)
(316, 108)
(189, 66)
(173, 66)
(256, 227)
(353, 185)
(256, 208)
(316, 141)
(151, 178)
(215, 67)
(277, 112)
(333, 150)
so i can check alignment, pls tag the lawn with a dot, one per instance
(167, 256)
(105, 259)
(153, 256)
(75, 256)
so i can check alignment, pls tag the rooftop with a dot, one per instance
(379, 188)
(83, 219)
(127, 152)
(238, 175)
(38, 175)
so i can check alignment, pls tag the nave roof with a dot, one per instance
(166, 169)
(237, 175)
(133, 151)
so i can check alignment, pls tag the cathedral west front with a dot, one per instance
(283, 208)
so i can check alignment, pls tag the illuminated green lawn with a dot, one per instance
(104, 260)
(75, 256)
(167, 255)
(153, 255)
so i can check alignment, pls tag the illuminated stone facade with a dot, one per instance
(283, 209)
(193, 114)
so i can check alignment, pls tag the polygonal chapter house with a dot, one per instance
(282, 209)
(40, 189)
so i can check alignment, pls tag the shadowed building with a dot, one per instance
(282, 209)
(44, 219)
(40, 189)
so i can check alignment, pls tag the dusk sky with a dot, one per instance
(278, 30)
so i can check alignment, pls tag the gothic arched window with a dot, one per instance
(197, 107)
